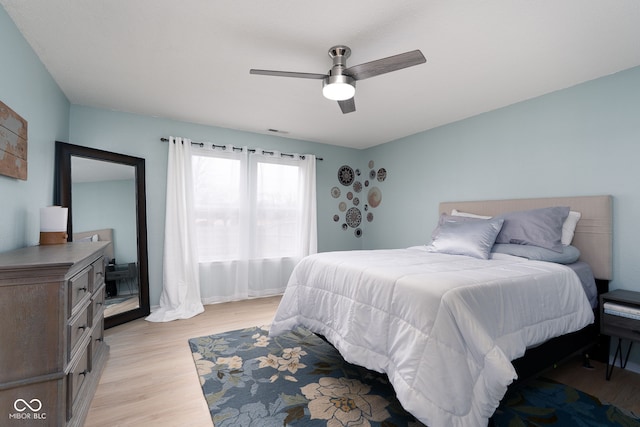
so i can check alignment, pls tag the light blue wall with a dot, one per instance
(28, 89)
(583, 140)
(140, 136)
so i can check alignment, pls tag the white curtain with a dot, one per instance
(256, 218)
(180, 298)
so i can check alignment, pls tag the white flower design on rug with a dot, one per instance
(344, 402)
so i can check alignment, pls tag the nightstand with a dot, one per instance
(620, 318)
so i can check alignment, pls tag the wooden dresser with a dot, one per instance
(52, 349)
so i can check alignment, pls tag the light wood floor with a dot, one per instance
(150, 377)
(126, 305)
(622, 390)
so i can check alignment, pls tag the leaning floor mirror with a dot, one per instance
(105, 194)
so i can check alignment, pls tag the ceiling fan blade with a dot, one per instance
(288, 74)
(348, 105)
(385, 65)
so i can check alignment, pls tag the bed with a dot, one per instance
(445, 328)
(101, 235)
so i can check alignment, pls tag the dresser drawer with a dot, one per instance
(97, 304)
(97, 274)
(79, 289)
(97, 342)
(76, 377)
(77, 329)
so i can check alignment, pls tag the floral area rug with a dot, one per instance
(298, 379)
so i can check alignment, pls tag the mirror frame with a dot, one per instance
(62, 197)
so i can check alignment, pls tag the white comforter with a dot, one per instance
(443, 327)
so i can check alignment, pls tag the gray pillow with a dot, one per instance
(569, 254)
(537, 227)
(470, 238)
(450, 218)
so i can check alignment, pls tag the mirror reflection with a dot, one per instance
(104, 208)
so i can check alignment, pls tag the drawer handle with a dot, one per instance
(83, 289)
(99, 339)
(83, 327)
(99, 273)
(83, 373)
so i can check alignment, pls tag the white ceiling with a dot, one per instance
(190, 60)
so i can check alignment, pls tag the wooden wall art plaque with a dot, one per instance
(13, 143)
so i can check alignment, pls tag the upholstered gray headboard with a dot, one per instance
(593, 234)
(104, 235)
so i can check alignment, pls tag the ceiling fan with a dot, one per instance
(340, 83)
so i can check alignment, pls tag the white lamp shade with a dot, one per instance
(338, 88)
(53, 219)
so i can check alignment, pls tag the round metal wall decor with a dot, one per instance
(374, 197)
(346, 175)
(335, 192)
(354, 217)
(382, 174)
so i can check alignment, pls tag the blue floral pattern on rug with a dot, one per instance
(298, 379)
(544, 402)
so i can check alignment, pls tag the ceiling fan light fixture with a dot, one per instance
(338, 88)
(339, 84)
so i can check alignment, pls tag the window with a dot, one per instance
(253, 212)
(276, 215)
(217, 191)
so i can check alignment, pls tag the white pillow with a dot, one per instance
(569, 227)
(456, 212)
(93, 238)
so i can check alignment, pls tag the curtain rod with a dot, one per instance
(251, 150)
